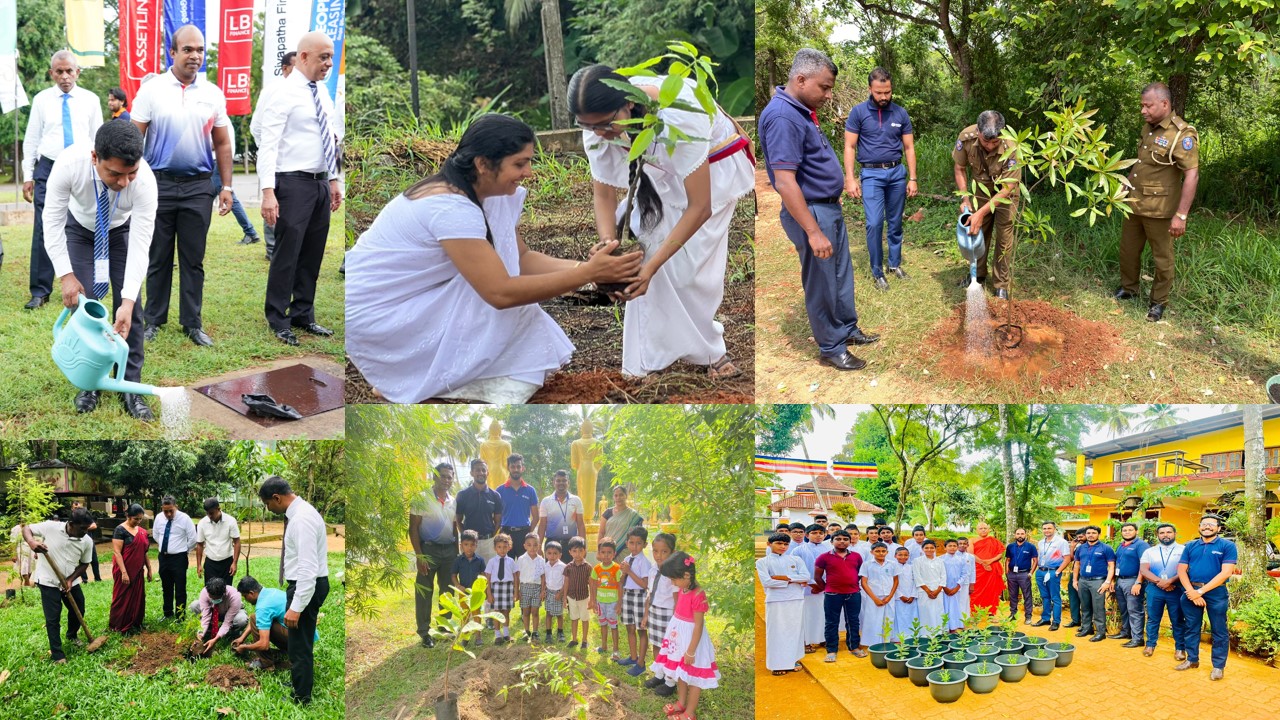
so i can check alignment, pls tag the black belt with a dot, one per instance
(1196, 584)
(1126, 577)
(483, 537)
(512, 528)
(182, 178)
(301, 174)
(833, 200)
(881, 166)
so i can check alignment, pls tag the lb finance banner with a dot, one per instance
(235, 54)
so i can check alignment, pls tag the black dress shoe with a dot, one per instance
(249, 240)
(1082, 633)
(1118, 636)
(882, 284)
(428, 642)
(86, 401)
(315, 329)
(150, 333)
(1002, 294)
(843, 361)
(1040, 623)
(1156, 313)
(1072, 624)
(1122, 294)
(137, 407)
(1098, 638)
(36, 301)
(1132, 644)
(1053, 627)
(287, 337)
(899, 273)
(857, 337)
(964, 281)
(199, 337)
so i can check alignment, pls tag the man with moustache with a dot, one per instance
(519, 503)
(1203, 570)
(479, 507)
(877, 135)
(1159, 567)
(433, 533)
(1132, 605)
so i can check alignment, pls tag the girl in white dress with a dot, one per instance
(441, 291)
(681, 215)
(879, 578)
(930, 574)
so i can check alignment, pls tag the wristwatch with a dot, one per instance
(1181, 217)
(226, 188)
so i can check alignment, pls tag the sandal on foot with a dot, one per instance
(686, 715)
(781, 672)
(672, 709)
(723, 369)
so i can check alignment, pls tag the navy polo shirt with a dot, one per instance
(1093, 559)
(1020, 556)
(476, 508)
(792, 140)
(879, 131)
(1129, 558)
(468, 570)
(516, 502)
(1205, 560)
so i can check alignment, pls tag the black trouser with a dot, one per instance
(218, 568)
(51, 600)
(80, 252)
(41, 275)
(93, 562)
(300, 232)
(302, 640)
(517, 541)
(173, 584)
(440, 557)
(183, 211)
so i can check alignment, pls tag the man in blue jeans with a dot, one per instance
(805, 171)
(1204, 568)
(837, 573)
(1159, 568)
(876, 136)
(1053, 552)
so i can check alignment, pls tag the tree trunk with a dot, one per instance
(1253, 558)
(1006, 471)
(1179, 87)
(553, 44)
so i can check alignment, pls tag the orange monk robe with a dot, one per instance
(990, 583)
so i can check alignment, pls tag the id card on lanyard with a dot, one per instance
(564, 517)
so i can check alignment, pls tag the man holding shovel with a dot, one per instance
(65, 545)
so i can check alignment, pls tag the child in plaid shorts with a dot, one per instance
(501, 592)
(605, 586)
(553, 581)
(635, 567)
(530, 567)
(659, 605)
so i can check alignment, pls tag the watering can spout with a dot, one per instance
(125, 386)
(86, 348)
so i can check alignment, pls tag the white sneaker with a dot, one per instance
(831, 657)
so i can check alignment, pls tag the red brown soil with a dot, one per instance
(156, 651)
(590, 386)
(717, 397)
(1059, 350)
(477, 682)
(230, 677)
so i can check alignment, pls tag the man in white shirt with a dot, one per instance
(67, 545)
(217, 543)
(298, 173)
(176, 535)
(184, 119)
(99, 213)
(265, 99)
(306, 568)
(60, 116)
(560, 514)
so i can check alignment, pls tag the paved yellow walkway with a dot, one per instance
(1103, 680)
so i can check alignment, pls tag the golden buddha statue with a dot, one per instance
(585, 458)
(495, 452)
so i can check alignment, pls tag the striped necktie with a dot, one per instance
(67, 137)
(326, 137)
(101, 258)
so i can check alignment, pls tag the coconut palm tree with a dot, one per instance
(1160, 415)
(1115, 419)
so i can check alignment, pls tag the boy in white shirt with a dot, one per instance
(530, 572)
(500, 572)
(635, 567)
(553, 582)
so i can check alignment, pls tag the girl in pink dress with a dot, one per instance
(686, 653)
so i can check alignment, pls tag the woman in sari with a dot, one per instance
(620, 518)
(128, 558)
(988, 553)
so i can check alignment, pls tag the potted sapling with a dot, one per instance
(881, 649)
(1042, 660)
(1031, 642)
(958, 659)
(946, 686)
(896, 661)
(983, 676)
(461, 616)
(1013, 667)
(1066, 651)
(919, 667)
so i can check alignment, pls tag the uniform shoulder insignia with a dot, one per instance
(1187, 142)
(960, 144)
(1180, 123)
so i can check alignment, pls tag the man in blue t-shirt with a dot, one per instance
(1204, 568)
(270, 605)
(876, 136)
(1130, 599)
(519, 504)
(1095, 571)
(479, 507)
(805, 171)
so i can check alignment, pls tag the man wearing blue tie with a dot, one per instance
(60, 116)
(99, 213)
(176, 535)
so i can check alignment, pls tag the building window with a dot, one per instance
(1221, 462)
(1127, 472)
(1273, 457)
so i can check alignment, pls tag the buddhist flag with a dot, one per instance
(85, 28)
(777, 465)
(12, 94)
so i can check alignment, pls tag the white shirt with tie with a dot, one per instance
(182, 538)
(44, 127)
(305, 551)
(290, 136)
(73, 187)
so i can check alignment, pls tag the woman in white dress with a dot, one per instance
(442, 292)
(930, 574)
(681, 215)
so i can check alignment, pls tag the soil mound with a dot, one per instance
(156, 651)
(230, 677)
(591, 386)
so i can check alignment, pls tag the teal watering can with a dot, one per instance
(87, 347)
(972, 247)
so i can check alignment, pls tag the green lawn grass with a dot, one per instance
(388, 669)
(37, 401)
(91, 686)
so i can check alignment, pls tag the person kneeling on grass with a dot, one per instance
(266, 625)
(686, 653)
(221, 612)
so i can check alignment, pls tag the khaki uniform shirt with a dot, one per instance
(986, 168)
(1165, 152)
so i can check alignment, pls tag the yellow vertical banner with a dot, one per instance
(85, 32)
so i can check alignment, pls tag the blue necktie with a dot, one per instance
(67, 138)
(164, 545)
(326, 137)
(102, 279)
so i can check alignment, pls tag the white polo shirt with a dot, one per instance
(560, 515)
(179, 121)
(218, 537)
(65, 550)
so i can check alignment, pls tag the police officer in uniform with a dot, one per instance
(1162, 184)
(979, 151)
(1203, 570)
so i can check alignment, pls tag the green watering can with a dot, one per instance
(87, 347)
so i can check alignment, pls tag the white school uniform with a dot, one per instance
(815, 618)
(880, 578)
(956, 607)
(905, 613)
(783, 609)
(933, 574)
